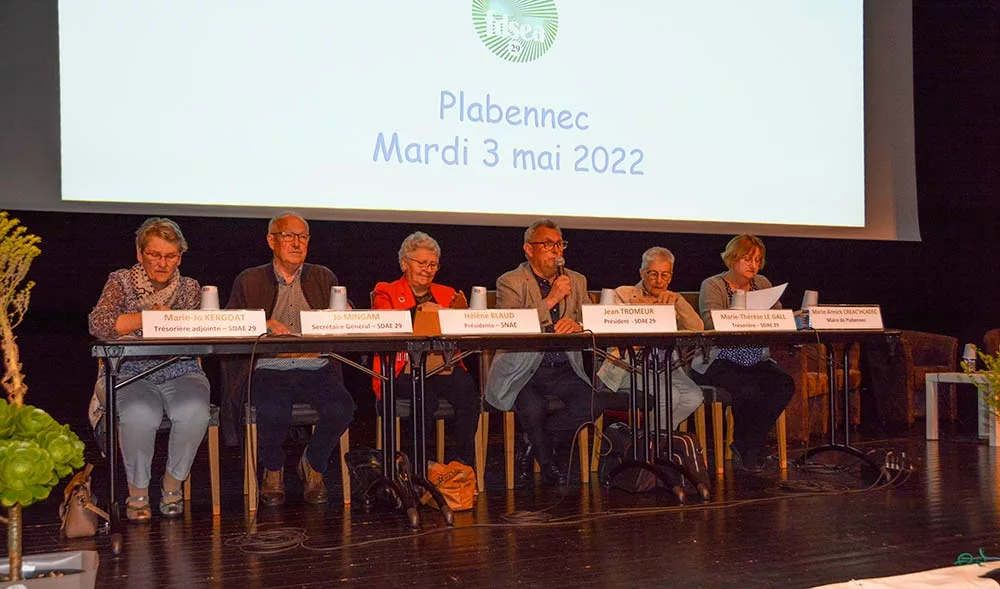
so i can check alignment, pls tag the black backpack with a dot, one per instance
(686, 452)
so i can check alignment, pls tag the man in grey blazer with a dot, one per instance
(523, 380)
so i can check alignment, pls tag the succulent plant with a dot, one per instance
(35, 454)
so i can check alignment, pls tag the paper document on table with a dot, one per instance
(765, 299)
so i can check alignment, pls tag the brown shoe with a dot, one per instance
(272, 491)
(313, 489)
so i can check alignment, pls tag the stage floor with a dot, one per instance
(755, 532)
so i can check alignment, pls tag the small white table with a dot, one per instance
(987, 420)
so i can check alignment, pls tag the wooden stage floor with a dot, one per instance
(755, 532)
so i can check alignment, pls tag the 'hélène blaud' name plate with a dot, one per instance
(845, 317)
(629, 318)
(355, 322)
(198, 323)
(492, 321)
(753, 319)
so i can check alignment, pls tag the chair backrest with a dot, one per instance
(595, 296)
(991, 341)
(691, 296)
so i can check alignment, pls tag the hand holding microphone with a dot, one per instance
(560, 286)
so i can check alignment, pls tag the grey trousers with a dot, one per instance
(141, 407)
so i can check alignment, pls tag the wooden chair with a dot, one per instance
(443, 411)
(991, 341)
(303, 414)
(927, 353)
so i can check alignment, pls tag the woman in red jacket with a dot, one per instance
(419, 258)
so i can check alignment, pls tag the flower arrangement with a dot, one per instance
(988, 380)
(35, 451)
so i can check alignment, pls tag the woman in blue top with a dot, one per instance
(179, 390)
(760, 389)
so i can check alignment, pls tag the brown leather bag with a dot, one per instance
(78, 512)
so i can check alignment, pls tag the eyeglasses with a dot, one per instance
(287, 237)
(550, 245)
(654, 275)
(425, 265)
(157, 256)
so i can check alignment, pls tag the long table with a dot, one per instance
(115, 351)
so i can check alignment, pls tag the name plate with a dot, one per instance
(845, 317)
(499, 321)
(355, 322)
(629, 318)
(198, 323)
(753, 320)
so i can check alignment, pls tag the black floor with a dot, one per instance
(814, 528)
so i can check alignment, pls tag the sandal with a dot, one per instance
(137, 509)
(171, 502)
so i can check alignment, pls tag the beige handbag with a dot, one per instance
(78, 512)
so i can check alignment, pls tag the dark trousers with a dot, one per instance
(459, 389)
(760, 393)
(275, 391)
(546, 430)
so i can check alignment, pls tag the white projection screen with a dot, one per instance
(784, 117)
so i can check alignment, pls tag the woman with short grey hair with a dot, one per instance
(180, 390)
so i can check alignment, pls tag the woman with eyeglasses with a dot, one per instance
(419, 259)
(760, 389)
(655, 273)
(180, 391)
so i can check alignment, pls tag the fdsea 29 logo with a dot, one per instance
(516, 30)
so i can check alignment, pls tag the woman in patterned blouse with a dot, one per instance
(180, 390)
(760, 389)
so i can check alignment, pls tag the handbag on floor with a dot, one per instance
(78, 511)
(455, 481)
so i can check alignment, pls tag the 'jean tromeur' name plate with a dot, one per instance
(198, 323)
(629, 318)
(845, 317)
(496, 321)
(753, 319)
(355, 322)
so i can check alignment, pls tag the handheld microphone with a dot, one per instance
(561, 265)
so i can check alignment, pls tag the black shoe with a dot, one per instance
(552, 476)
(524, 459)
(748, 460)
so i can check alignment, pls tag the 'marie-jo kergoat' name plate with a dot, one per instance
(198, 323)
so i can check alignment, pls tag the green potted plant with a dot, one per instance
(987, 380)
(36, 452)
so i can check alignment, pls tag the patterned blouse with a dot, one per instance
(120, 298)
(744, 356)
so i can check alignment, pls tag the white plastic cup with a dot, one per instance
(969, 357)
(209, 298)
(338, 298)
(739, 300)
(478, 299)
(810, 298)
(607, 296)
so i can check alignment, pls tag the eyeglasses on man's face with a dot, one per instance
(657, 276)
(158, 257)
(550, 245)
(287, 237)
(430, 265)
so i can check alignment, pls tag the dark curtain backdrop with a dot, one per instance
(947, 283)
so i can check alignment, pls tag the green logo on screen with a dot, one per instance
(516, 30)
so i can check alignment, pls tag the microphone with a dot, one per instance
(561, 265)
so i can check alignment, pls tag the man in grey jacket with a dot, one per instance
(524, 380)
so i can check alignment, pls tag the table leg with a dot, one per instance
(930, 396)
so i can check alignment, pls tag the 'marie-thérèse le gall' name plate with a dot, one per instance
(355, 322)
(629, 318)
(753, 319)
(845, 317)
(488, 321)
(198, 323)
